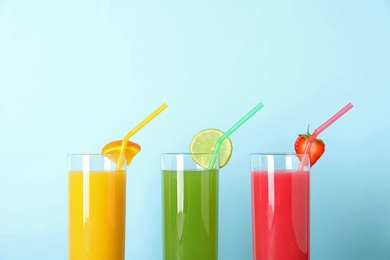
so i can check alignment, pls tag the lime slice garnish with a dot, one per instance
(205, 141)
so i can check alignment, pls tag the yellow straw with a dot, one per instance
(139, 127)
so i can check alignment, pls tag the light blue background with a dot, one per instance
(75, 75)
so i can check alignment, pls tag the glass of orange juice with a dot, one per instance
(97, 206)
(97, 198)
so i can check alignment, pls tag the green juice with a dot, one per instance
(190, 214)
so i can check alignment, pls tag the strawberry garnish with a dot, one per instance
(316, 150)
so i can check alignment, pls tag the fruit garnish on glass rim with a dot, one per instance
(316, 150)
(204, 142)
(311, 139)
(114, 148)
(217, 142)
(126, 147)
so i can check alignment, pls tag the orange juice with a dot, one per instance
(97, 209)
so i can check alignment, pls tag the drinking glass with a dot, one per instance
(280, 206)
(190, 207)
(97, 206)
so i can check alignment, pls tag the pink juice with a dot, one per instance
(280, 215)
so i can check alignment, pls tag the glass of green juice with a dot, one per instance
(190, 206)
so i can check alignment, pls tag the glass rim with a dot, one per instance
(279, 153)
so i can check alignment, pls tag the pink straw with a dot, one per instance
(325, 125)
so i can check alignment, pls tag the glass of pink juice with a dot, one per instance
(280, 206)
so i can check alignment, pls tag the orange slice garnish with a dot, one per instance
(114, 147)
